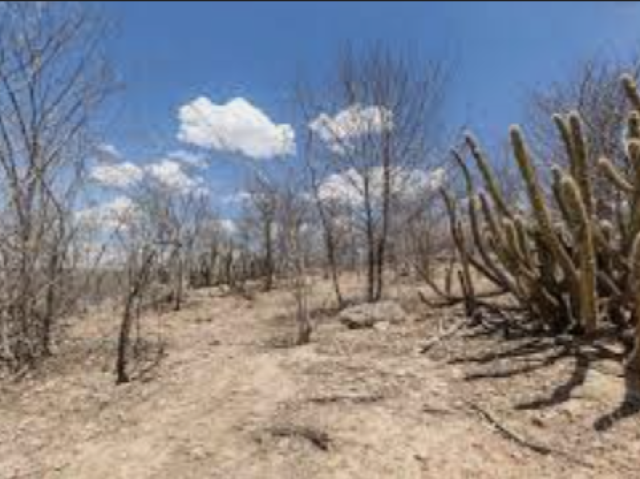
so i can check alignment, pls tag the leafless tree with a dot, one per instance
(376, 125)
(329, 213)
(593, 90)
(139, 268)
(261, 214)
(53, 77)
(294, 227)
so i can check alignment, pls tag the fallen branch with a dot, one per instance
(319, 439)
(520, 441)
(441, 337)
(507, 433)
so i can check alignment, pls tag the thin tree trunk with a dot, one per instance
(333, 266)
(371, 245)
(124, 341)
(269, 269)
(386, 206)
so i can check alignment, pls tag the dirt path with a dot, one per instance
(229, 401)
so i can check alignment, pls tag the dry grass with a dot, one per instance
(228, 401)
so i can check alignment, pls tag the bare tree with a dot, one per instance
(593, 90)
(377, 126)
(329, 213)
(261, 214)
(140, 268)
(293, 223)
(53, 77)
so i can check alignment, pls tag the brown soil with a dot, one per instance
(230, 398)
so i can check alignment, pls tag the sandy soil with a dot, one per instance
(231, 399)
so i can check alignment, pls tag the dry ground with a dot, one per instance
(231, 400)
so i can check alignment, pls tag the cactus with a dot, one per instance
(562, 260)
(633, 362)
(583, 236)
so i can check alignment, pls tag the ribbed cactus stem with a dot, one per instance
(584, 241)
(556, 175)
(633, 126)
(488, 176)
(495, 227)
(614, 175)
(633, 361)
(457, 233)
(511, 235)
(523, 239)
(567, 138)
(539, 206)
(633, 154)
(581, 161)
(607, 229)
(631, 90)
(476, 232)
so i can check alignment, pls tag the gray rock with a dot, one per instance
(368, 315)
(382, 326)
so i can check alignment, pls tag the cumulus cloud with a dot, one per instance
(188, 158)
(120, 175)
(170, 175)
(117, 213)
(174, 173)
(347, 187)
(228, 226)
(237, 198)
(234, 127)
(338, 131)
(344, 187)
(107, 153)
(412, 184)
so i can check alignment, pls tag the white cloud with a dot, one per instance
(119, 212)
(412, 184)
(170, 174)
(234, 127)
(121, 175)
(107, 153)
(228, 226)
(339, 131)
(347, 187)
(238, 198)
(344, 187)
(188, 158)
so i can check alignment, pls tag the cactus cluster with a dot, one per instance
(569, 261)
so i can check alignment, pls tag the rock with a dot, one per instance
(368, 315)
(198, 453)
(382, 326)
(536, 421)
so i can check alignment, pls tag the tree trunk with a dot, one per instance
(333, 267)
(124, 341)
(386, 207)
(371, 245)
(269, 268)
(179, 282)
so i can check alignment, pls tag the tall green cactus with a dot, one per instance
(561, 259)
(584, 244)
(633, 361)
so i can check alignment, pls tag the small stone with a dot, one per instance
(382, 326)
(536, 421)
(198, 453)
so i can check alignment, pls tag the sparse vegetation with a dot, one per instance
(566, 261)
(348, 296)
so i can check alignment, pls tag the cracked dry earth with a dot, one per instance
(231, 400)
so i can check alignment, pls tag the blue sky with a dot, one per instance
(172, 52)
